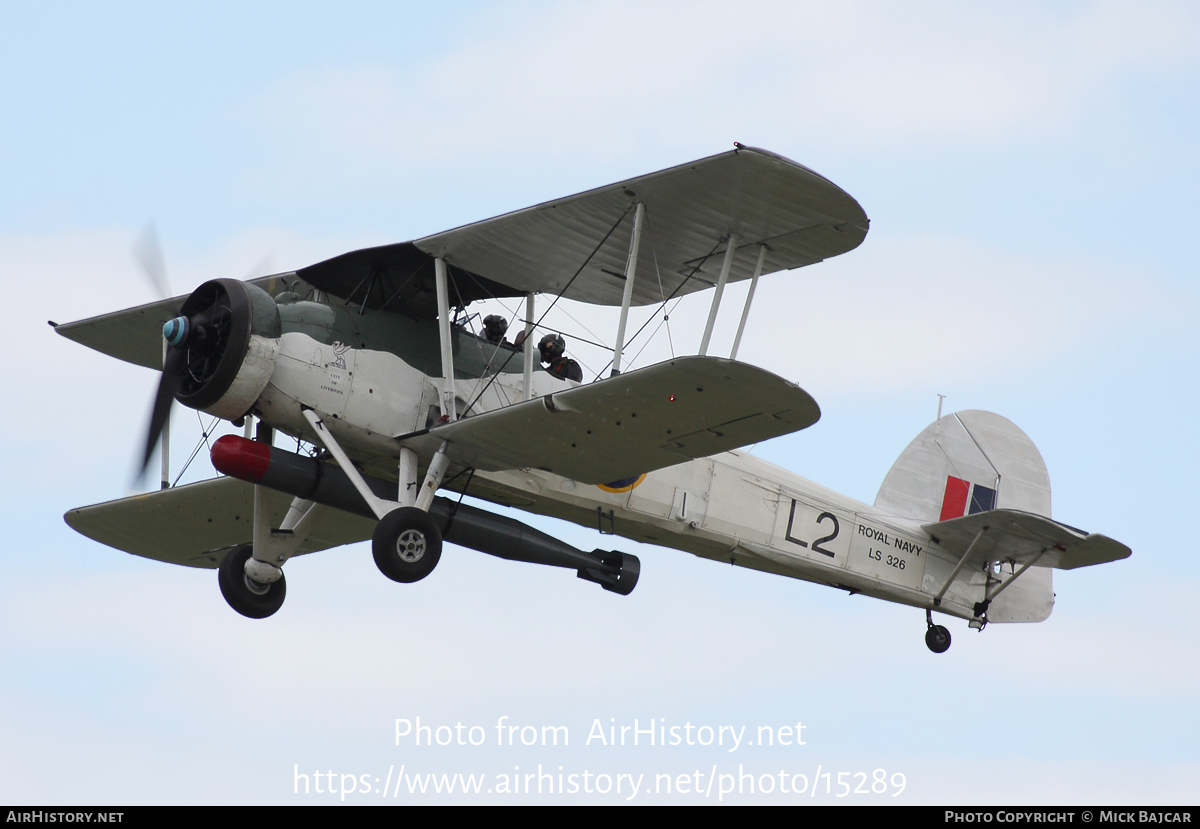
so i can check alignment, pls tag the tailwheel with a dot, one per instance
(250, 598)
(406, 544)
(937, 638)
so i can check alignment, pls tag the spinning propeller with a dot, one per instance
(197, 341)
(148, 253)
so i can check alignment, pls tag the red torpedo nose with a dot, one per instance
(238, 457)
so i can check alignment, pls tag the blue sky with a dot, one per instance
(1029, 171)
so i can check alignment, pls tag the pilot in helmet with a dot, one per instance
(494, 328)
(553, 348)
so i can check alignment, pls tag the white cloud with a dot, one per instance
(905, 311)
(612, 79)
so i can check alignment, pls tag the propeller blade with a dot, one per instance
(174, 366)
(265, 267)
(149, 253)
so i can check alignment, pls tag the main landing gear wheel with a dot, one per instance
(407, 544)
(246, 596)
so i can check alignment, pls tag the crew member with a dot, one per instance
(494, 328)
(552, 348)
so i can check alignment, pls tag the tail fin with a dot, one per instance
(965, 463)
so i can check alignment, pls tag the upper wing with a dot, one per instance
(651, 418)
(135, 334)
(691, 209)
(1012, 535)
(760, 197)
(195, 524)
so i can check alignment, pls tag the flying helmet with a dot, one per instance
(494, 327)
(552, 347)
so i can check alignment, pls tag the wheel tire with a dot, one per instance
(937, 639)
(231, 575)
(406, 544)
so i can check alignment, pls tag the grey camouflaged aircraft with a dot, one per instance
(367, 358)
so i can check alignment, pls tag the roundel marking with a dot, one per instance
(623, 485)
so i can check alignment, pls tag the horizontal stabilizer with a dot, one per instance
(648, 419)
(195, 524)
(1017, 537)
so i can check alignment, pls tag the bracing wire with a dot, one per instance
(570, 282)
(204, 433)
(678, 288)
(666, 316)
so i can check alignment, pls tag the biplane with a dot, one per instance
(365, 359)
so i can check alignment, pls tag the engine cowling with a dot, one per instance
(229, 333)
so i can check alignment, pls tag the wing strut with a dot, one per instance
(762, 255)
(730, 250)
(627, 296)
(937, 600)
(443, 301)
(480, 393)
(527, 344)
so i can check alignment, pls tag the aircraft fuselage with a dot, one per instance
(375, 379)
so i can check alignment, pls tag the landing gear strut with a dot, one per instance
(407, 542)
(937, 638)
(248, 597)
